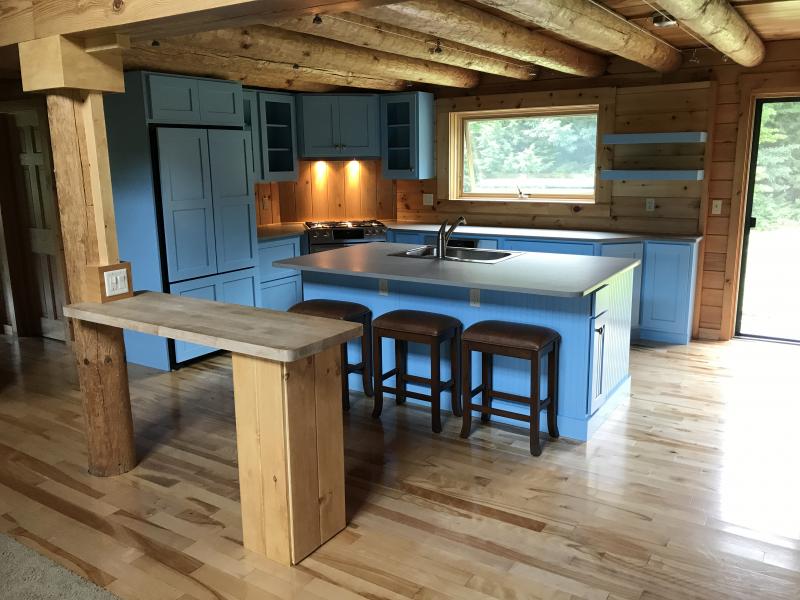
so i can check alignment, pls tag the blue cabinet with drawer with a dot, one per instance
(279, 288)
(339, 125)
(407, 136)
(177, 99)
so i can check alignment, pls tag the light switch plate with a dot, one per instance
(383, 287)
(427, 199)
(716, 207)
(116, 282)
(474, 297)
(650, 204)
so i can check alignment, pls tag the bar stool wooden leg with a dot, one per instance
(487, 368)
(455, 361)
(377, 363)
(366, 356)
(466, 391)
(401, 364)
(436, 387)
(345, 380)
(552, 391)
(536, 447)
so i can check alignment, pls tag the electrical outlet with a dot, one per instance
(650, 204)
(716, 207)
(427, 199)
(383, 287)
(116, 282)
(474, 297)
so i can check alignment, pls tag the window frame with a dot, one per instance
(457, 132)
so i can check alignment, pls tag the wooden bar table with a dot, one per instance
(286, 371)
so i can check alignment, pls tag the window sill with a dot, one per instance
(582, 201)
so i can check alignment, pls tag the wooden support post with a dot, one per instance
(83, 183)
(291, 457)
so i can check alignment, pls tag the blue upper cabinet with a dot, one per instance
(407, 136)
(180, 100)
(252, 128)
(278, 137)
(187, 202)
(233, 199)
(340, 126)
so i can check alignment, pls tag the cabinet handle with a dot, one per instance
(601, 330)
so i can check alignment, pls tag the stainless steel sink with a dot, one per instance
(475, 255)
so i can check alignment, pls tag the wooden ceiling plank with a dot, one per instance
(719, 24)
(588, 23)
(277, 45)
(369, 33)
(453, 20)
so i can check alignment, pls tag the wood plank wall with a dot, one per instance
(328, 190)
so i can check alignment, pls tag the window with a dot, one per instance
(525, 154)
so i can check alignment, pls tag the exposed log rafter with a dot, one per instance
(588, 23)
(368, 33)
(453, 20)
(718, 23)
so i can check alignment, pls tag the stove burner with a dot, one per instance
(342, 224)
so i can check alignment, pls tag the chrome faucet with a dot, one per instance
(443, 238)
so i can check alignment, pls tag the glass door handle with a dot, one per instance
(753, 221)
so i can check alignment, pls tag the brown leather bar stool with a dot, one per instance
(425, 328)
(529, 342)
(346, 311)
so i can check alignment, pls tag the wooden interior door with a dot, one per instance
(36, 225)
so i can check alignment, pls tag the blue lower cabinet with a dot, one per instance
(554, 247)
(270, 251)
(668, 291)
(236, 287)
(281, 294)
(408, 238)
(629, 250)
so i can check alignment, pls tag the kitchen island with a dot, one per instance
(587, 299)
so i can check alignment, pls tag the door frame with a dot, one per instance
(748, 211)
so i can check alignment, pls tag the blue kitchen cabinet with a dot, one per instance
(402, 237)
(182, 100)
(252, 129)
(279, 288)
(668, 291)
(339, 125)
(187, 203)
(270, 251)
(278, 136)
(220, 103)
(553, 247)
(407, 136)
(233, 199)
(629, 250)
(238, 287)
(281, 294)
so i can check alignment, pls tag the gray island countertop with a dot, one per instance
(528, 273)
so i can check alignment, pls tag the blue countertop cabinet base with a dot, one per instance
(279, 289)
(585, 364)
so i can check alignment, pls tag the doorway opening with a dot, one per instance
(770, 279)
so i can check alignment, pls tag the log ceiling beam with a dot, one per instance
(186, 60)
(718, 23)
(261, 42)
(586, 22)
(368, 33)
(23, 20)
(452, 20)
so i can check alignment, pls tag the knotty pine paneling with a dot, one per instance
(327, 190)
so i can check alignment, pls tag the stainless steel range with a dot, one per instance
(328, 235)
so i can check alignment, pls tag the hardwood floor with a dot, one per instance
(689, 492)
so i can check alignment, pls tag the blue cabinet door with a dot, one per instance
(252, 128)
(359, 126)
(269, 252)
(666, 291)
(220, 102)
(320, 125)
(234, 200)
(205, 288)
(173, 99)
(238, 287)
(278, 136)
(186, 197)
(554, 247)
(407, 136)
(632, 250)
(402, 237)
(282, 293)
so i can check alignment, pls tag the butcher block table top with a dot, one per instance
(270, 334)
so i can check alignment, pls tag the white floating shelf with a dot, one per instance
(676, 137)
(653, 174)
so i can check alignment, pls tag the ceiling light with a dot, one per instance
(664, 20)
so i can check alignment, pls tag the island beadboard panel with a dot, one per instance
(327, 190)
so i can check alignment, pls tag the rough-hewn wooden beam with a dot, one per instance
(588, 23)
(453, 20)
(191, 60)
(277, 45)
(718, 23)
(362, 31)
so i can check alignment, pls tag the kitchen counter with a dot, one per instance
(538, 273)
(280, 230)
(552, 234)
